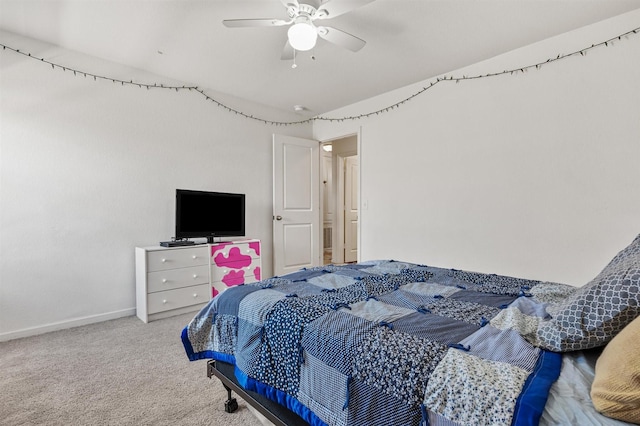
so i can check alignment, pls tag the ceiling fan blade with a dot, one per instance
(333, 8)
(341, 38)
(242, 23)
(288, 52)
(290, 3)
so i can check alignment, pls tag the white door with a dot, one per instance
(351, 209)
(326, 194)
(296, 204)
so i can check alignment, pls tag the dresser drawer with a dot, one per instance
(176, 278)
(178, 298)
(225, 253)
(177, 258)
(236, 273)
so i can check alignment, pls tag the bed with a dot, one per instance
(396, 343)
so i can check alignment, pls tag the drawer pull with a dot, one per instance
(195, 294)
(164, 280)
(164, 260)
(164, 301)
(194, 256)
(195, 276)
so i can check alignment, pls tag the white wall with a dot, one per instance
(88, 171)
(534, 175)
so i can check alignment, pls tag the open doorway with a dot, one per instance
(340, 199)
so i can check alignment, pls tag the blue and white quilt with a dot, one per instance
(386, 343)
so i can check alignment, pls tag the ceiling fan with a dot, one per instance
(303, 33)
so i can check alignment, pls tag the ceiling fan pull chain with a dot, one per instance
(294, 60)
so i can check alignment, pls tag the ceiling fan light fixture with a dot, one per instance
(302, 35)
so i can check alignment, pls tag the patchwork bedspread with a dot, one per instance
(386, 343)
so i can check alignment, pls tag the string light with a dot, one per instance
(514, 71)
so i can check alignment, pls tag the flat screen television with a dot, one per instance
(209, 214)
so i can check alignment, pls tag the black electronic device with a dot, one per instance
(176, 243)
(209, 214)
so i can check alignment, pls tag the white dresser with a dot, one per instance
(171, 281)
(175, 280)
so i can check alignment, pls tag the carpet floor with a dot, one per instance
(119, 372)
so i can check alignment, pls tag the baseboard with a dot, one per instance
(33, 331)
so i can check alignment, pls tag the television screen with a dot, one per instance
(209, 214)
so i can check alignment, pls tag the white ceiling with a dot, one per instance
(407, 41)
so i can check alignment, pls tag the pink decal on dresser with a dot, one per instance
(233, 278)
(255, 246)
(218, 247)
(214, 292)
(256, 273)
(239, 260)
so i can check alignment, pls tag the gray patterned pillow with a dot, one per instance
(595, 313)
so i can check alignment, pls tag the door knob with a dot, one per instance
(278, 217)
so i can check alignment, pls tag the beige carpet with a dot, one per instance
(120, 372)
